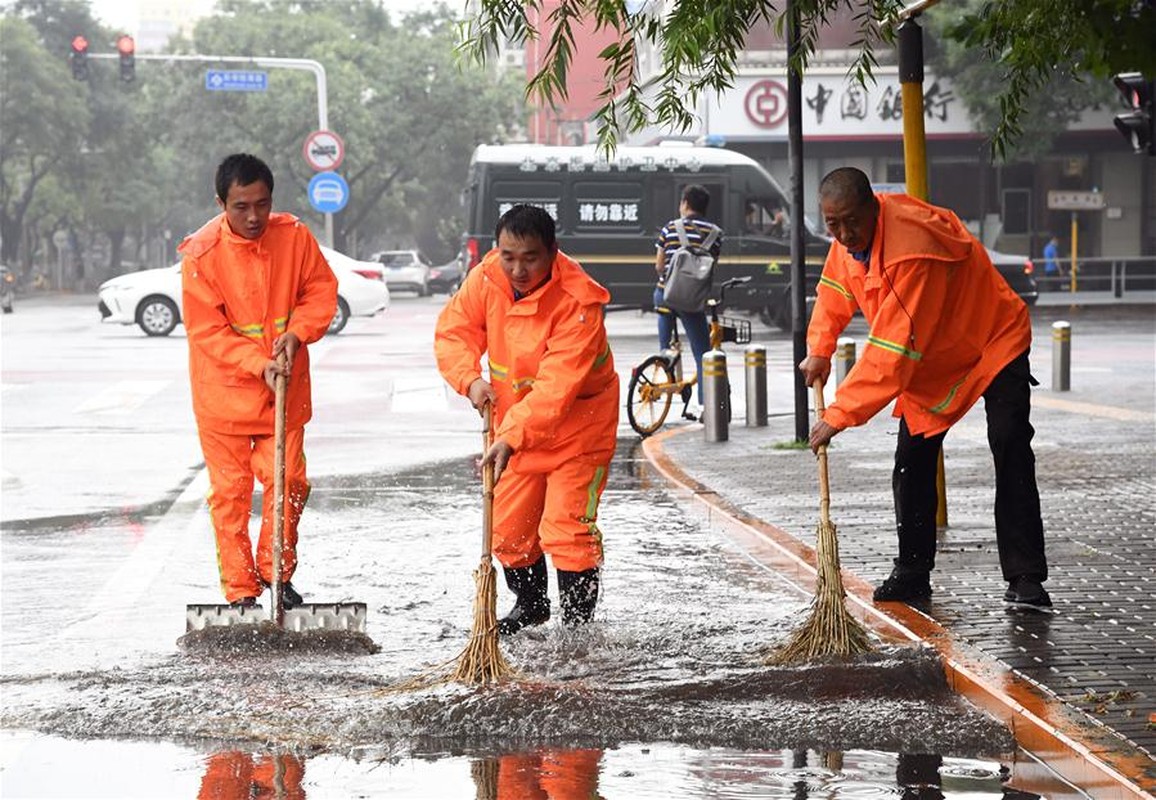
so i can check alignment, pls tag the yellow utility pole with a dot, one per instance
(915, 153)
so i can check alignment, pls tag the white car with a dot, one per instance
(152, 298)
(405, 270)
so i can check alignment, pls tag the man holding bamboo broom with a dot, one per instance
(538, 317)
(945, 330)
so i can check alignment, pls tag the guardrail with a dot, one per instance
(1115, 275)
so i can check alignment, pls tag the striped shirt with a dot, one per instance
(697, 229)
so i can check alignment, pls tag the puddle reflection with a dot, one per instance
(239, 775)
(540, 775)
(637, 772)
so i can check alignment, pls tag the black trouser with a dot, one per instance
(1019, 530)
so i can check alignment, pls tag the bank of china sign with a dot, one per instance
(836, 107)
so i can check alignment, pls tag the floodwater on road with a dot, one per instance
(665, 695)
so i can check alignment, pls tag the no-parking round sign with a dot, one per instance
(324, 150)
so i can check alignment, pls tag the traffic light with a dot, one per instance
(79, 58)
(127, 49)
(1137, 123)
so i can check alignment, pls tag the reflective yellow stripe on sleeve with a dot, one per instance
(892, 347)
(838, 287)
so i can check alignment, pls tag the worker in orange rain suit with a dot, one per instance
(945, 329)
(255, 287)
(555, 394)
(549, 775)
(236, 775)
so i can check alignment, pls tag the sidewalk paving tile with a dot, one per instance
(1097, 652)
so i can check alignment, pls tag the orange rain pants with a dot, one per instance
(234, 775)
(555, 511)
(233, 460)
(550, 775)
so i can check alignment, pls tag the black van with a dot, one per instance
(609, 212)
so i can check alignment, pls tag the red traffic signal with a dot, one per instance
(127, 49)
(1137, 124)
(79, 58)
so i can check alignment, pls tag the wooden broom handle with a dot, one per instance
(487, 481)
(277, 611)
(824, 481)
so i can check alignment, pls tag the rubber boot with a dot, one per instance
(533, 604)
(579, 595)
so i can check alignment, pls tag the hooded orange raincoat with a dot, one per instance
(556, 404)
(239, 295)
(943, 321)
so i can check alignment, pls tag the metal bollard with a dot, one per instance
(715, 388)
(1061, 356)
(756, 362)
(844, 357)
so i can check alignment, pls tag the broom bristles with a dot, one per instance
(482, 662)
(830, 630)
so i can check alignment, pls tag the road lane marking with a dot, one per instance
(1092, 409)
(419, 395)
(121, 398)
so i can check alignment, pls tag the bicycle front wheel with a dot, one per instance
(649, 396)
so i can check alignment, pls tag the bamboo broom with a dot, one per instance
(830, 630)
(482, 661)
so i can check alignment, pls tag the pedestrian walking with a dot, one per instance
(945, 330)
(538, 318)
(256, 292)
(1052, 269)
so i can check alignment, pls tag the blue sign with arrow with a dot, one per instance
(328, 192)
(236, 80)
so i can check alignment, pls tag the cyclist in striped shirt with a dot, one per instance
(692, 208)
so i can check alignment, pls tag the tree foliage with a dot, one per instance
(43, 125)
(981, 81)
(1034, 42)
(1040, 58)
(118, 164)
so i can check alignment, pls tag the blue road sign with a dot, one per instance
(236, 80)
(328, 192)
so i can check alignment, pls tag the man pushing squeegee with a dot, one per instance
(256, 292)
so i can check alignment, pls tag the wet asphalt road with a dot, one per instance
(94, 595)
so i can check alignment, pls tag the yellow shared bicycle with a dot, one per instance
(655, 382)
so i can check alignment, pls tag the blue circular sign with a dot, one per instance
(328, 192)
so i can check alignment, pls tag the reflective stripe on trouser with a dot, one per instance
(555, 512)
(233, 460)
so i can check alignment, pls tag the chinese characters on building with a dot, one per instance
(855, 102)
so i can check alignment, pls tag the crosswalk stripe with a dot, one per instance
(419, 395)
(121, 398)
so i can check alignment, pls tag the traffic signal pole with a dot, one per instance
(307, 64)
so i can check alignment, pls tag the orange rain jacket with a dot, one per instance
(943, 321)
(549, 360)
(240, 295)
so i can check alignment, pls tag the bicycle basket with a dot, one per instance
(735, 330)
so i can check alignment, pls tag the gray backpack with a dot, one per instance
(688, 275)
